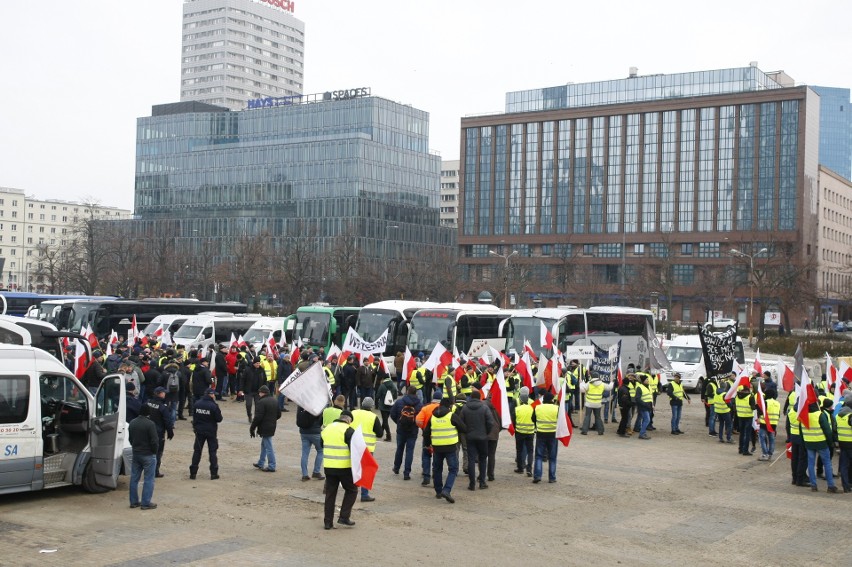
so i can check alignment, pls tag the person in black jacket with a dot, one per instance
(201, 378)
(348, 380)
(266, 418)
(206, 417)
(625, 403)
(161, 415)
(251, 379)
(143, 439)
(310, 430)
(133, 403)
(221, 367)
(477, 423)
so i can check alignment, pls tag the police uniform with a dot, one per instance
(161, 415)
(206, 417)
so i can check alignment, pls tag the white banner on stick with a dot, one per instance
(309, 389)
(580, 352)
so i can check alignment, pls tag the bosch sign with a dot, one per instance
(287, 5)
(346, 94)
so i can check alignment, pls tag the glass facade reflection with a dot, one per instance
(359, 166)
(835, 130)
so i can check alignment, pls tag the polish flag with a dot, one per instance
(761, 403)
(108, 350)
(438, 361)
(805, 396)
(524, 368)
(295, 354)
(546, 337)
(234, 342)
(134, 330)
(742, 380)
(528, 348)
(758, 367)
(113, 337)
(500, 401)
(383, 366)
(788, 379)
(364, 466)
(499, 356)
(334, 351)
(409, 365)
(159, 332)
(564, 430)
(81, 358)
(90, 336)
(483, 360)
(619, 374)
(845, 371)
(830, 373)
(271, 344)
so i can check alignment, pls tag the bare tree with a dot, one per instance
(88, 251)
(50, 269)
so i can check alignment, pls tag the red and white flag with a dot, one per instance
(409, 365)
(758, 367)
(742, 380)
(271, 344)
(159, 332)
(845, 371)
(760, 399)
(805, 396)
(438, 361)
(90, 336)
(529, 349)
(295, 354)
(500, 401)
(81, 358)
(564, 430)
(364, 466)
(788, 379)
(333, 352)
(546, 337)
(234, 342)
(524, 369)
(134, 330)
(619, 375)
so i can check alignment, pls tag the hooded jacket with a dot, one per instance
(477, 421)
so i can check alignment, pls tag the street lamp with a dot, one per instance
(505, 274)
(751, 257)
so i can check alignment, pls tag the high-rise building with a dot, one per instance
(673, 185)
(234, 51)
(337, 164)
(835, 130)
(28, 226)
(450, 193)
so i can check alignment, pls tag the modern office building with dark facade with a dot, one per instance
(337, 164)
(663, 187)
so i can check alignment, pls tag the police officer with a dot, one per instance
(206, 417)
(161, 415)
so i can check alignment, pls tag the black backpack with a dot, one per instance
(172, 382)
(407, 418)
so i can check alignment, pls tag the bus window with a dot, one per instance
(207, 332)
(571, 329)
(14, 399)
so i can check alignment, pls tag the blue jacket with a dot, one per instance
(206, 416)
(396, 409)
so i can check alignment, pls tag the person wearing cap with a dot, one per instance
(143, 438)
(161, 415)
(206, 417)
(336, 442)
(676, 394)
(371, 429)
(524, 433)
(441, 435)
(265, 420)
(422, 420)
(594, 390)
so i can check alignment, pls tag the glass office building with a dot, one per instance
(308, 167)
(611, 176)
(835, 130)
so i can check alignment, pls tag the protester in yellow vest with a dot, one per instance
(441, 435)
(816, 435)
(545, 417)
(524, 433)
(371, 428)
(766, 437)
(724, 421)
(594, 390)
(676, 397)
(336, 441)
(744, 405)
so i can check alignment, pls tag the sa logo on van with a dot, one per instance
(10, 451)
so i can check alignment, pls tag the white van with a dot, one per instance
(53, 432)
(200, 331)
(258, 333)
(686, 357)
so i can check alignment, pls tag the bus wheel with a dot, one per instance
(89, 484)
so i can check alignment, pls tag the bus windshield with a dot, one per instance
(528, 328)
(427, 331)
(623, 324)
(372, 323)
(79, 313)
(258, 335)
(690, 355)
(313, 327)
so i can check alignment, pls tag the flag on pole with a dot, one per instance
(524, 368)
(438, 361)
(528, 349)
(500, 401)
(788, 379)
(409, 365)
(295, 354)
(805, 396)
(234, 342)
(758, 367)
(309, 389)
(742, 380)
(271, 344)
(364, 465)
(546, 337)
(564, 430)
(81, 358)
(333, 352)
(134, 330)
(761, 403)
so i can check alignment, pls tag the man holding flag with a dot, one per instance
(545, 417)
(336, 442)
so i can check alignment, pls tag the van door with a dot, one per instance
(20, 433)
(108, 431)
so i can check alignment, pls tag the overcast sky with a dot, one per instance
(77, 73)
